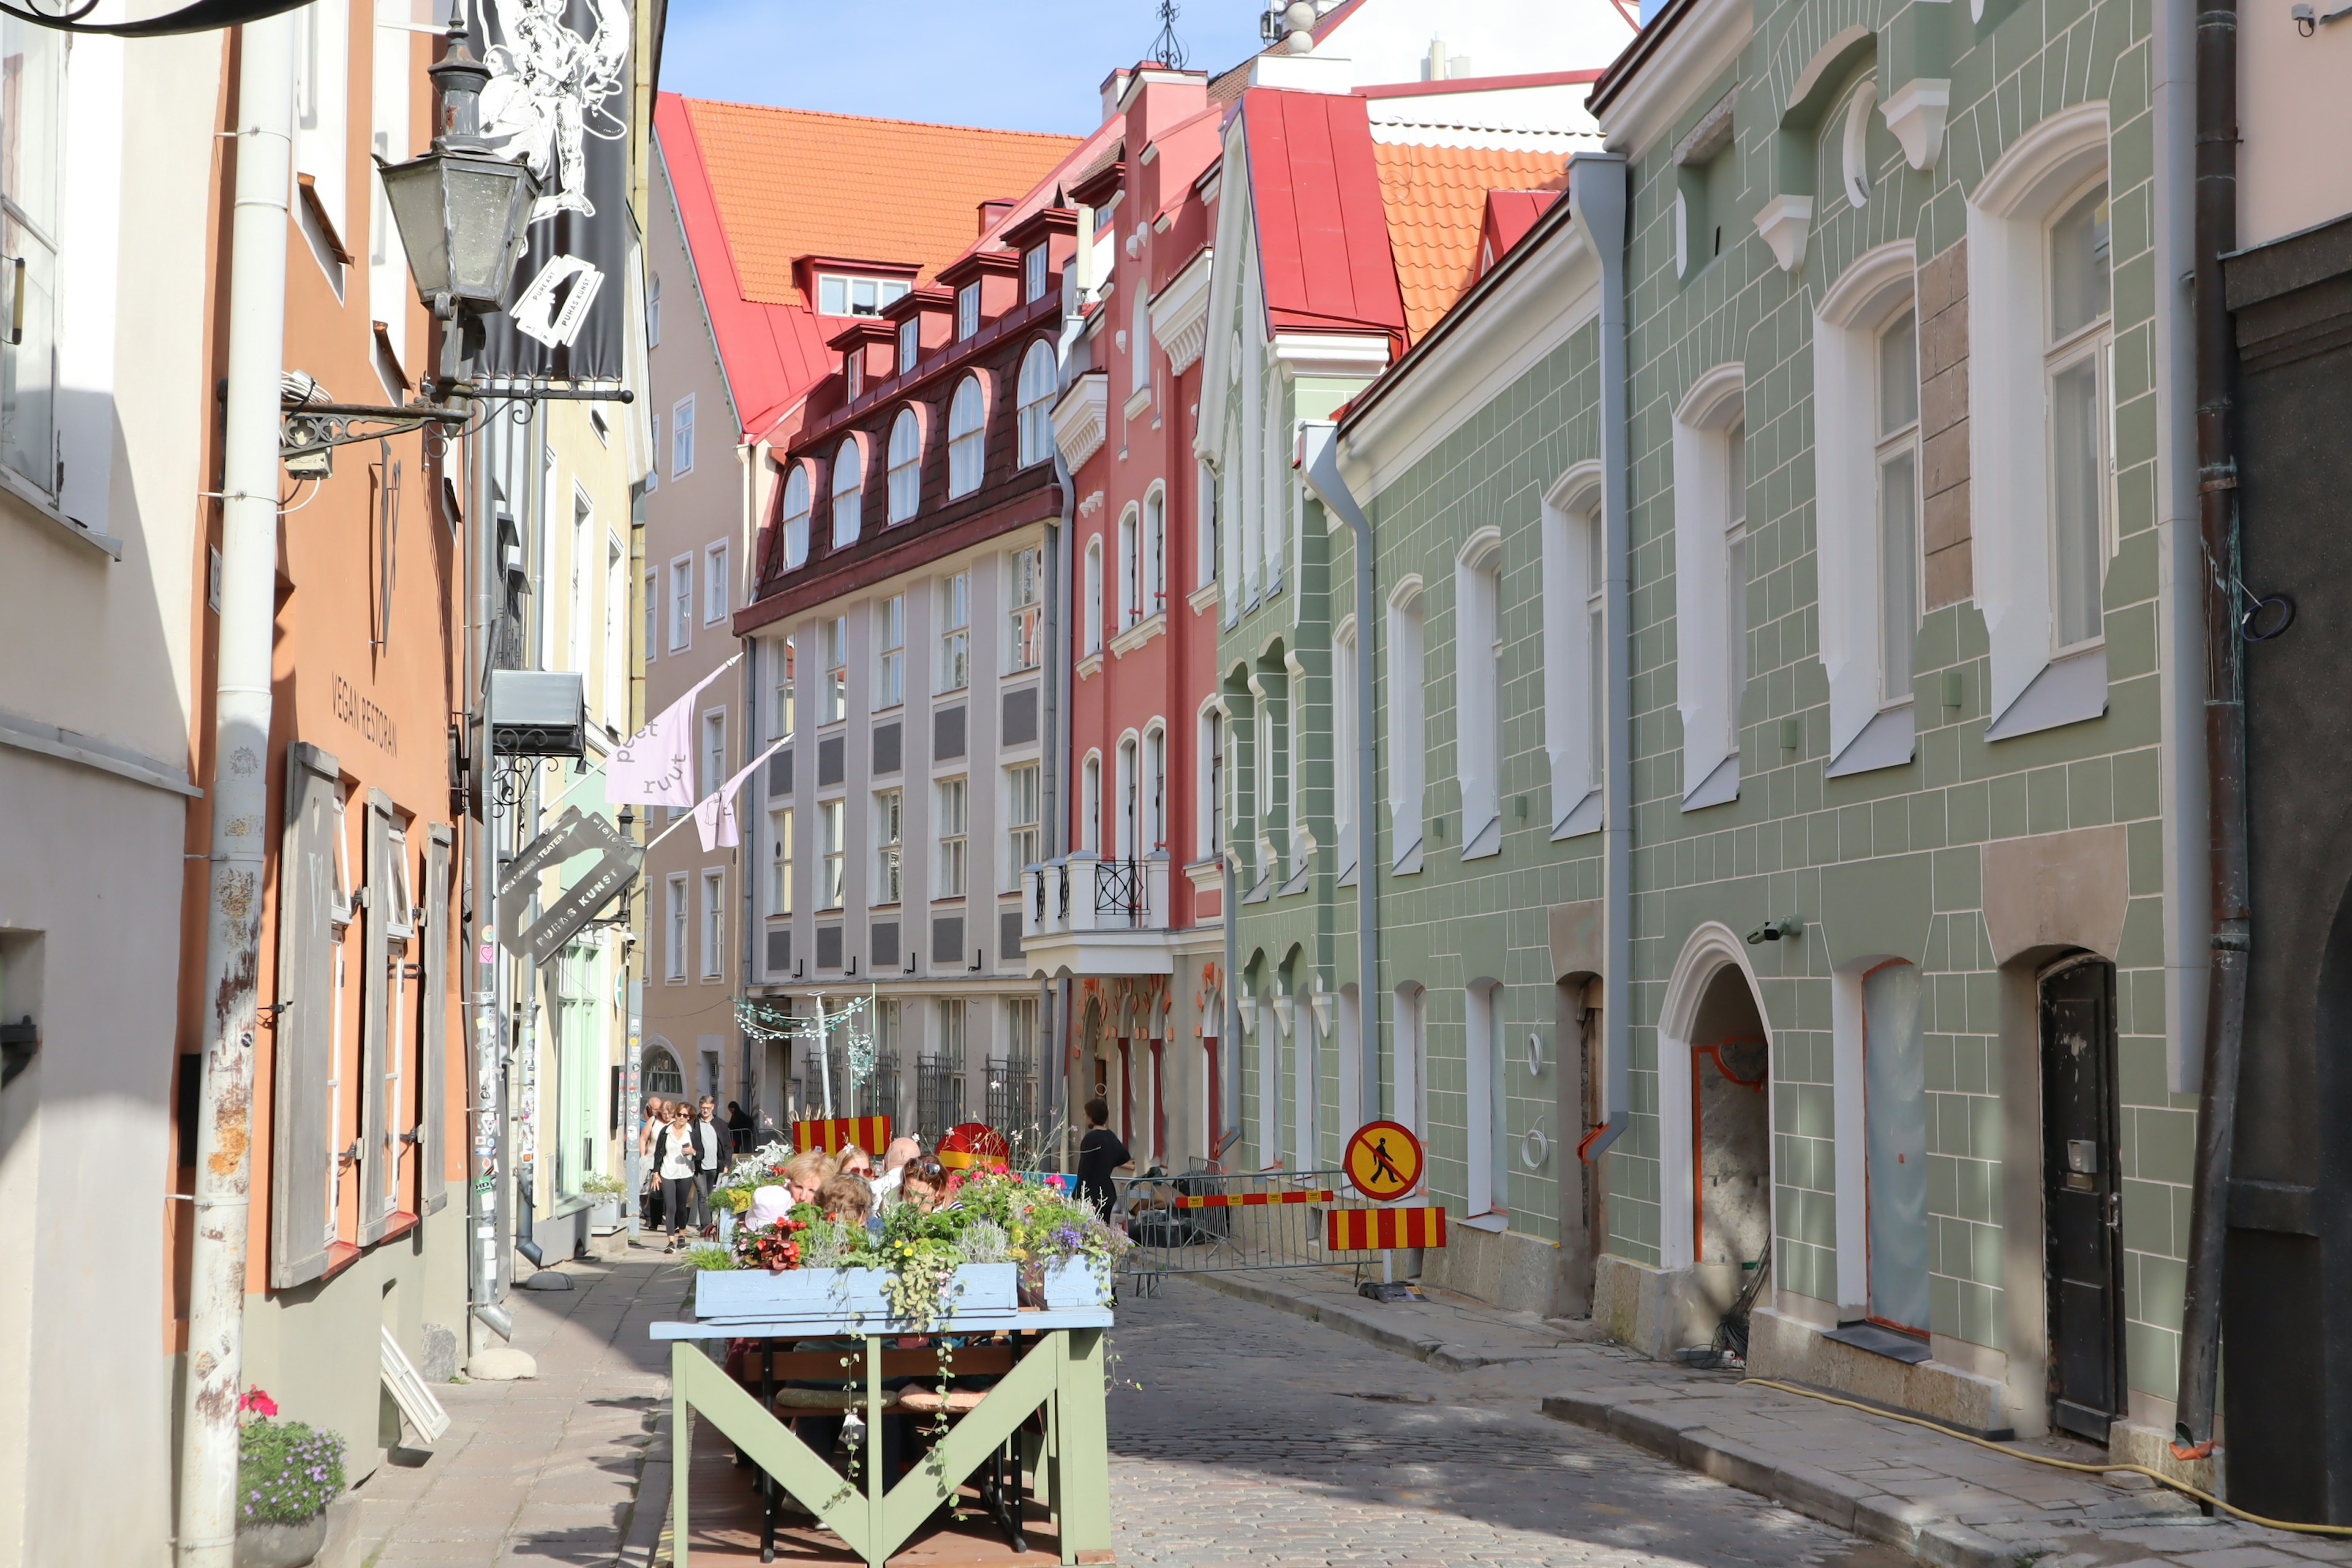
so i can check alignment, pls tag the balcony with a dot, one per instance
(1087, 916)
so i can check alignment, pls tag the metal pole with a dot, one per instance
(239, 795)
(2225, 729)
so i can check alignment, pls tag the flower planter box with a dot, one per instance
(845, 1295)
(1077, 1282)
(605, 1216)
(280, 1545)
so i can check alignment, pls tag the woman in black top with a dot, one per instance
(1100, 1154)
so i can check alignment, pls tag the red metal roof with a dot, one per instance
(1323, 230)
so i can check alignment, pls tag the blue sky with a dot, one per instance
(1022, 64)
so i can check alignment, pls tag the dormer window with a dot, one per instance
(844, 294)
(910, 344)
(967, 310)
(1032, 274)
(852, 374)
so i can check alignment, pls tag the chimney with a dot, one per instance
(994, 210)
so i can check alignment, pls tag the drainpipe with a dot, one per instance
(240, 795)
(2225, 727)
(1319, 467)
(1055, 723)
(1596, 195)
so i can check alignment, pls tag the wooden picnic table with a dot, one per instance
(1054, 1363)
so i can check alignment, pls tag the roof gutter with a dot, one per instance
(1645, 43)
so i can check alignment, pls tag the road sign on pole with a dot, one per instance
(1383, 1160)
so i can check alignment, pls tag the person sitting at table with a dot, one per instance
(922, 1183)
(846, 1198)
(806, 1173)
(856, 1162)
(901, 1150)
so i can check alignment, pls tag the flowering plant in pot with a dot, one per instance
(603, 1195)
(286, 1474)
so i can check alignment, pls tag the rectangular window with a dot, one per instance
(1479, 684)
(1735, 563)
(714, 750)
(714, 584)
(1027, 646)
(845, 294)
(952, 817)
(890, 665)
(1032, 274)
(780, 861)
(653, 312)
(714, 923)
(1898, 505)
(681, 438)
(1407, 744)
(1022, 802)
(955, 632)
(653, 614)
(836, 670)
(681, 602)
(2075, 371)
(1212, 785)
(889, 843)
(910, 344)
(852, 374)
(674, 959)
(1596, 643)
(968, 310)
(782, 712)
(1343, 745)
(831, 821)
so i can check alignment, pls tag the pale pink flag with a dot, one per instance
(714, 817)
(656, 766)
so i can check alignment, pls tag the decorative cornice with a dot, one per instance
(1180, 314)
(1082, 417)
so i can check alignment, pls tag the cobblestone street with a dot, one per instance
(1242, 1435)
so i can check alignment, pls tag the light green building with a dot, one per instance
(1808, 636)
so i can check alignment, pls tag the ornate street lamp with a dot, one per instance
(462, 211)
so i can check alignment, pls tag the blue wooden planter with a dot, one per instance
(1077, 1282)
(979, 1290)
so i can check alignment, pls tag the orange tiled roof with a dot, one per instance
(1436, 201)
(793, 182)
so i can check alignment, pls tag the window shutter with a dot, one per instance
(376, 1165)
(300, 1160)
(433, 1156)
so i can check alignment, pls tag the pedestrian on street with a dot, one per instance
(678, 1160)
(738, 1127)
(1100, 1154)
(657, 1118)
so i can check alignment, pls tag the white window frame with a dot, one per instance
(891, 652)
(1208, 805)
(653, 613)
(2033, 685)
(1037, 386)
(798, 504)
(1710, 642)
(681, 604)
(1152, 789)
(1093, 608)
(653, 311)
(1486, 1097)
(1407, 725)
(714, 923)
(681, 438)
(711, 747)
(779, 861)
(951, 825)
(1130, 594)
(836, 670)
(1090, 804)
(1867, 732)
(1343, 745)
(968, 310)
(906, 466)
(1478, 691)
(890, 846)
(967, 437)
(836, 293)
(833, 832)
(783, 662)
(1574, 655)
(852, 374)
(1026, 613)
(715, 584)
(848, 492)
(676, 931)
(910, 344)
(1024, 820)
(1034, 273)
(955, 633)
(1153, 567)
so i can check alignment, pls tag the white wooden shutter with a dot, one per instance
(433, 1073)
(308, 887)
(377, 1165)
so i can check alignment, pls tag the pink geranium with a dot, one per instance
(257, 1403)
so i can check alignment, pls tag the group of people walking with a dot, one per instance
(683, 1148)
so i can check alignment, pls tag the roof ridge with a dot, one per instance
(878, 119)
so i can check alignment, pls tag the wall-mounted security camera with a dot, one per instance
(1773, 931)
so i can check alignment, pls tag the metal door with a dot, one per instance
(2082, 1208)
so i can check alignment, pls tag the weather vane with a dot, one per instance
(1166, 47)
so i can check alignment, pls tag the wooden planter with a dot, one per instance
(1077, 1282)
(979, 1290)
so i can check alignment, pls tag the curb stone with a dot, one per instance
(1794, 1485)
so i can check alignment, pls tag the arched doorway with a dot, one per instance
(2082, 1195)
(661, 1075)
(1714, 1135)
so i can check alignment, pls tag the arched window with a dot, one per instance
(848, 480)
(966, 439)
(1155, 792)
(906, 465)
(1155, 551)
(1124, 844)
(796, 516)
(1090, 806)
(1094, 594)
(1037, 404)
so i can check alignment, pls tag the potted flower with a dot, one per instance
(286, 1474)
(604, 1193)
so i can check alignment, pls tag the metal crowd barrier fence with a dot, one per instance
(1203, 1223)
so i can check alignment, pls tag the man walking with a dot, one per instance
(711, 1144)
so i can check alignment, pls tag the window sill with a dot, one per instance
(340, 1255)
(1203, 598)
(1135, 406)
(1720, 787)
(1585, 817)
(1090, 664)
(1888, 741)
(22, 489)
(1141, 631)
(1485, 841)
(2069, 690)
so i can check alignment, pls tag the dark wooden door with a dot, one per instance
(2082, 1211)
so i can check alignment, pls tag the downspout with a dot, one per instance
(240, 795)
(744, 559)
(1596, 194)
(1320, 465)
(1049, 773)
(488, 1058)
(2225, 728)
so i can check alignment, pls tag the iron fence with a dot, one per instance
(1012, 1095)
(1202, 1223)
(1119, 891)
(939, 1096)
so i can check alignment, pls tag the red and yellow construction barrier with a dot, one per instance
(832, 1134)
(1378, 1230)
(1253, 1200)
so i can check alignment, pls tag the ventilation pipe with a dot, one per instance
(1596, 196)
(239, 794)
(2216, 221)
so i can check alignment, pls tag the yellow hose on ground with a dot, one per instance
(2157, 1476)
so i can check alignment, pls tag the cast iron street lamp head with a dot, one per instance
(462, 211)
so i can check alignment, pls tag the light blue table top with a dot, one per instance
(1030, 1321)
